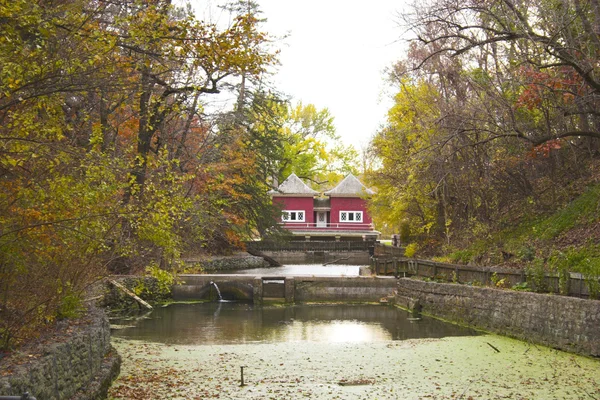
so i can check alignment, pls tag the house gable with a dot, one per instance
(293, 187)
(341, 212)
(350, 186)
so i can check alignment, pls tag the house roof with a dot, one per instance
(293, 186)
(350, 186)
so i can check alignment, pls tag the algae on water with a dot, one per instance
(448, 368)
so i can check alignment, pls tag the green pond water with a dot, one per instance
(196, 351)
(230, 323)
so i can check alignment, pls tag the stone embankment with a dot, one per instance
(562, 322)
(77, 363)
(226, 263)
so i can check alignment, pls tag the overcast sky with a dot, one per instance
(334, 56)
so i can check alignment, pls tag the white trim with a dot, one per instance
(293, 215)
(278, 194)
(351, 217)
(321, 223)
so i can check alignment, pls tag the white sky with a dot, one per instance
(334, 56)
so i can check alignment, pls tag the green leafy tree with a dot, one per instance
(312, 149)
(408, 190)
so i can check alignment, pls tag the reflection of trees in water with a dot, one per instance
(221, 323)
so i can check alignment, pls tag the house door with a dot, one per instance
(321, 219)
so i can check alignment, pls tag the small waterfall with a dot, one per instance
(218, 291)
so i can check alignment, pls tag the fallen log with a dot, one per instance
(272, 262)
(334, 261)
(130, 294)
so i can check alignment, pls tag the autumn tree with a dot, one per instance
(103, 140)
(540, 59)
(507, 118)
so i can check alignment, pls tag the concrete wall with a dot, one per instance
(356, 289)
(557, 321)
(80, 365)
(313, 257)
(198, 287)
(298, 289)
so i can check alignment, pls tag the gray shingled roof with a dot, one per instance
(293, 185)
(349, 186)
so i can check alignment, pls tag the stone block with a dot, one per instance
(563, 322)
(66, 368)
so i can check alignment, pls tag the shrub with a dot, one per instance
(527, 253)
(156, 285)
(411, 250)
(583, 260)
(536, 275)
(497, 282)
(71, 304)
(462, 256)
(522, 287)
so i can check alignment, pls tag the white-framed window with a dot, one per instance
(293, 215)
(351, 216)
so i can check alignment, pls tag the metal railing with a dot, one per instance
(24, 396)
(331, 226)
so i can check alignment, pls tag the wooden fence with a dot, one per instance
(575, 284)
(382, 250)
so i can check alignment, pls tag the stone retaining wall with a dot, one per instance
(225, 263)
(557, 321)
(80, 365)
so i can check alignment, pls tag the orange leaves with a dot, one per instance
(562, 84)
(544, 149)
(127, 126)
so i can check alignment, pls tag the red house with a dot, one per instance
(339, 213)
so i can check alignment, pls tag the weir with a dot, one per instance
(217, 289)
(289, 289)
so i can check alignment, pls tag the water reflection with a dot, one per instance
(300, 270)
(231, 323)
